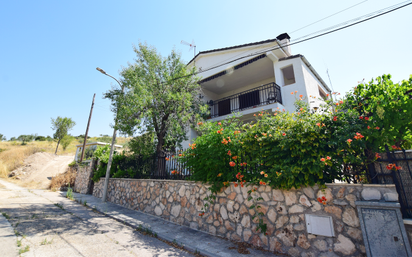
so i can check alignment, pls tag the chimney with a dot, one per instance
(283, 40)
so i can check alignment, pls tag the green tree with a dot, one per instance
(61, 126)
(2, 137)
(25, 138)
(66, 140)
(160, 95)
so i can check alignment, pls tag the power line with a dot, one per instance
(328, 16)
(304, 39)
(310, 38)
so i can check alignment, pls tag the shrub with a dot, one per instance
(64, 179)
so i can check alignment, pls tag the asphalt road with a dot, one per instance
(42, 223)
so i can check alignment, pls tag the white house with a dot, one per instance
(248, 78)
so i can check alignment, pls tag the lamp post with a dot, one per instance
(109, 163)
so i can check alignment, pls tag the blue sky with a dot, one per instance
(49, 50)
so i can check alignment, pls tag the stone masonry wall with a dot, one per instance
(230, 217)
(84, 183)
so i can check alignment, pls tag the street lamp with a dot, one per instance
(109, 164)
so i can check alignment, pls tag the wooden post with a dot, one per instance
(87, 129)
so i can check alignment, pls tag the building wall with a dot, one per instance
(230, 217)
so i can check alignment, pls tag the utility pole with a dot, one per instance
(87, 129)
(109, 163)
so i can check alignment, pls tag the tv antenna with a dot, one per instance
(192, 46)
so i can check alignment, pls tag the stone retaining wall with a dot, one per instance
(84, 183)
(230, 217)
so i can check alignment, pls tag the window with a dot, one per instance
(322, 93)
(288, 75)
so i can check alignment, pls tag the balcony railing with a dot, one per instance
(263, 95)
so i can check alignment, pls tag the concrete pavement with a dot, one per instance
(97, 222)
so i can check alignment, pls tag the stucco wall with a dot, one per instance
(230, 217)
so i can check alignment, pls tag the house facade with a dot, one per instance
(249, 78)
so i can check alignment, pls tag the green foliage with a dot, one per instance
(143, 145)
(69, 193)
(279, 149)
(388, 106)
(154, 100)
(40, 138)
(2, 137)
(72, 164)
(66, 140)
(102, 153)
(62, 127)
(25, 138)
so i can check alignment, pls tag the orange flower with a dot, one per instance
(262, 172)
(341, 102)
(377, 128)
(220, 123)
(301, 109)
(180, 154)
(318, 124)
(218, 131)
(220, 174)
(234, 157)
(291, 93)
(300, 96)
(366, 118)
(266, 175)
(232, 164)
(167, 158)
(235, 184)
(229, 153)
(200, 123)
(349, 140)
(369, 127)
(284, 134)
(296, 91)
(322, 159)
(327, 157)
(335, 118)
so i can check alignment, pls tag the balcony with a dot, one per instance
(252, 98)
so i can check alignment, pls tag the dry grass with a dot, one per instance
(64, 179)
(12, 154)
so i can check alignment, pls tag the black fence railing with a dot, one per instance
(157, 166)
(402, 178)
(262, 95)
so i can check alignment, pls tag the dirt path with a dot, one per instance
(39, 168)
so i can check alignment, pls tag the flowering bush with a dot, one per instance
(286, 150)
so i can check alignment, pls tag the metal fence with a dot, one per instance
(262, 95)
(402, 178)
(157, 166)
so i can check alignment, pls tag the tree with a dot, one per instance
(66, 140)
(61, 126)
(161, 96)
(25, 138)
(2, 137)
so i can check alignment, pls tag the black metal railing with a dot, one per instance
(262, 95)
(156, 166)
(402, 178)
